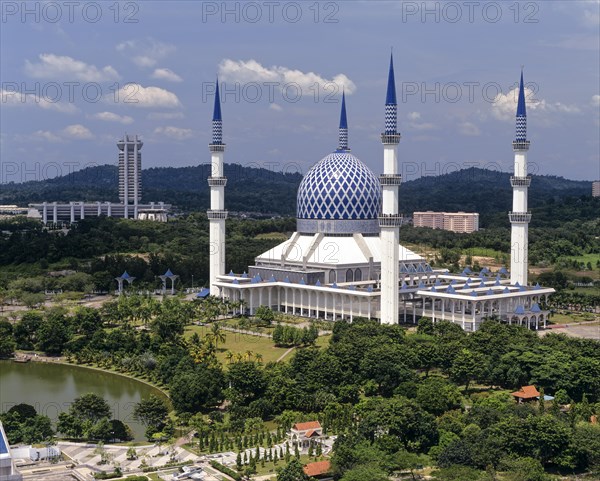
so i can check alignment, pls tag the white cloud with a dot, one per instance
(252, 71)
(137, 95)
(596, 100)
(112, 117)
(46, 135)
(504, 106)
(147, 52)
(468, 128)
(414, 123)
(165, 115)
(175, 133)
(166, 74)
(10, 98)
(575, 41)
(275, 107)
(63, 67)
(78, 132)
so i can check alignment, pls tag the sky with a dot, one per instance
(76, 76)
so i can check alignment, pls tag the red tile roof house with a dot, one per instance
(525, 394)
(304, 433)
(318, 470)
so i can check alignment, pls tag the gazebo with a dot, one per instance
(124, 277)
(166, 276)
(526, 393)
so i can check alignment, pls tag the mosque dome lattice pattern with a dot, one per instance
(339, 187)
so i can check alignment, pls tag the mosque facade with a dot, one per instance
(345, 259)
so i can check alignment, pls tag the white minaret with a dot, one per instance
(520, 181)
(217, 213)
(389, 220)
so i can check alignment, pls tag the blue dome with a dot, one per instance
(339, 195)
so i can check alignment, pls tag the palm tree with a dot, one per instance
(259, 357)
(248, 355)
(218, 335)
(238, 356)
(242, 304)
(229, 357)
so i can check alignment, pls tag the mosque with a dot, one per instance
(345, 259)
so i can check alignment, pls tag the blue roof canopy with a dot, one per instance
(204, 292)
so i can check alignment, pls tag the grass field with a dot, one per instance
(241, 343)
(571, 318)
(585, 290)
(593, 258)
(483, 252)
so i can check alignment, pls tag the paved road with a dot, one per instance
(588, 331)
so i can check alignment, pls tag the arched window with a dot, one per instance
(331, 277)
(357, 275)
(349, 275)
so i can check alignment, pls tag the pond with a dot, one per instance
(52, 387)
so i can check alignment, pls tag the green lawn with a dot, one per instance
(593, 258)
(271, 468)
(241, 343)
(585, 290)
(572, 318)
(483, 252)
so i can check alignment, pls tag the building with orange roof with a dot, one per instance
(302, 434)
(318, 470)
(526, 393)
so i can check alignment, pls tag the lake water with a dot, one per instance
(51, 388)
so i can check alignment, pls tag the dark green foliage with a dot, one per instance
(286, 336)
(90, 407)
(7, 342)
(292, 472)
(23, 425)
(196, 390)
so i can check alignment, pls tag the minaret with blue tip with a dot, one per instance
(343, 135)
(389, 219)
(217, 213)
(520, 181)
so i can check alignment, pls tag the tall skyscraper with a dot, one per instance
(130, 169)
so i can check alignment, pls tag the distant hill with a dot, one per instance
(248, 189)
(485, 191)
(260, 190)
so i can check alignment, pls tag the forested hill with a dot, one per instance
(260, 190)
(248, 189)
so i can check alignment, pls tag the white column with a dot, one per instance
(217, 222)
(519, 230)
(45, 212)
(55, 213)
(390, 239)
(72, 212)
